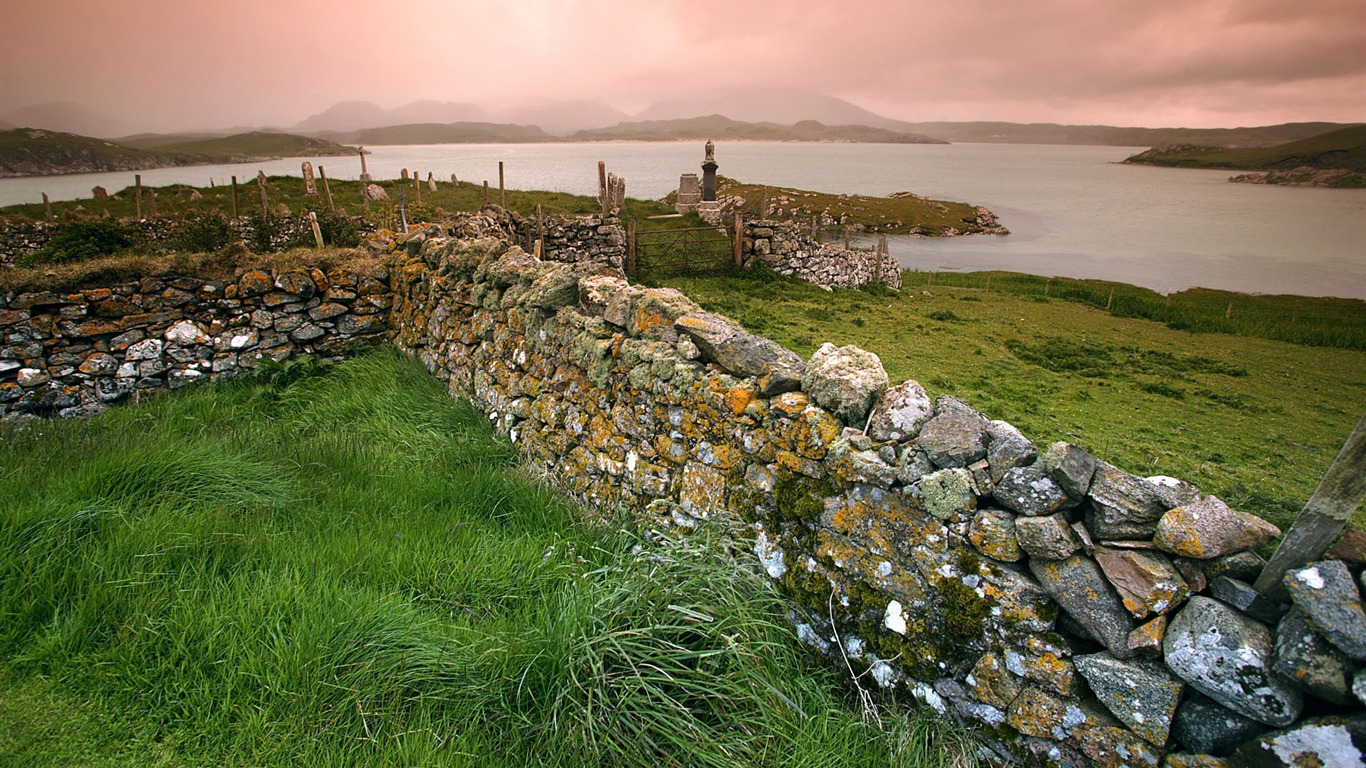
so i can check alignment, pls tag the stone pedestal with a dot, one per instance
(710, 211)
(689, 193)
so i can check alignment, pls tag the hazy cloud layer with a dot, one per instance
(172, 64)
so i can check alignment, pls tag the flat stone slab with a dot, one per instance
(1147, 582)
(956, 436)
(1049, 538)
(1329, 598)
(1124, 506)
(1204, 726)
(1079, 587)
(1030, 491)
(1227, 656)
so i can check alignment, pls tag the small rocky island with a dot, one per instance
(1334, 159)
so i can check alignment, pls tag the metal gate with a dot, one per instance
(691, 252)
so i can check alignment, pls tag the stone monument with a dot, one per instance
(709, 208)
(310, 183)
(364, 172)
(689, 193)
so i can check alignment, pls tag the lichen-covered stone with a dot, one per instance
(1324, 742)
(947, 494)
(742, 353)
(1123, 506)
(1141, 694)
(1209, 528)
(1308, 661)
(1227, 657)
(993, 534)
(1146, 640)
(1110, 747)
(900, 412)
(1202, 725)
(1243, 566)
(955, 437)
(1242, 596)
(1035, 713)
(1185, 760)
(1028, 491)
(1080, 589)
(845, 381)
(1050, 537)
(1007, 448)
(1146, 581)
(1070, 467)
(1328, 596)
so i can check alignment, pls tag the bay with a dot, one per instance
(1072, 211)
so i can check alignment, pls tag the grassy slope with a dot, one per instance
(24, 151)
(1106, 135)
(1254, 421)
(1343, 148)
(258, 144)
(349, 570)
(719, 127)
(893, 215)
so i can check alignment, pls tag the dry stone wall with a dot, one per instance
(1081, 615)
(789, 250)
(75, 352)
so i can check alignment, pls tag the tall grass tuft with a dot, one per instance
(348, 569)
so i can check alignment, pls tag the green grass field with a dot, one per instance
(348, 569)
(1252, 420)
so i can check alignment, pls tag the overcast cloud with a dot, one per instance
(178, 64)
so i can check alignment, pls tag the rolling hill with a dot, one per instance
(1336, 158)
(721, 127)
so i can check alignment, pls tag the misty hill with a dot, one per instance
(36, 152)
(720, 127)
(1106, 135)
(1337, 158)
(783, 106)
(449, 133)
(346, 116)
(565, 117)
(66, 117)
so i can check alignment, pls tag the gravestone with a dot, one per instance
(310, 184)
(364, 172)
(689, 193)
(99, 193)
(431, 181)
(709, 174)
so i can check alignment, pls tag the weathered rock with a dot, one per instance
(1325, 742)
(1350, 546)
(1070, 467)
(845, 381)
(1242, 596)
(1007, 449)
(1028, 491)
(992, 683)
(1308, 661)
(1146, 581)
(1146, 641)
(1079, 587)
(1210, 528)
(1173, 492)
(1185, 760)
(186, 332)
(254, 282)
(1359, 685)
(1328, 596)
(947, 494)
(1111, 747)
(993, 534)
(1141, 694)
(1202, 725)
(956, 436)
(148, 349)
(900, 412)
(99, 364)
(557, 287)
(1227, 657)
(741, 353)
(29, 378)
(1243, 566)
(1050, 538)
(1123, 506)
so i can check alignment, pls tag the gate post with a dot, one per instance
(631, 270)
(739, 239)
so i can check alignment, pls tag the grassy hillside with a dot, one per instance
(1343, 149)
(1255, 421)
(30, 152)
(1107, 135)
(719, 127)
(445, 133)
(347, 568)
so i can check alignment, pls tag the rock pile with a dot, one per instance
(789, 250)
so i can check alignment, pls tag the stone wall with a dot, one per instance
(597, 240)
(1079, 613)
(74, 352)
(790, 250)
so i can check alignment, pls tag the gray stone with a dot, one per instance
(1306, 660)
(1173, 492)
(33, 377)
(1328, 595)
(149, 349)
(1078, 586)
(1202, 725)
(1227, 656)
(845, 381)
(1142, 694)
(993, 534)
(1324, 742)
(1209, 528)
(1243, 566)
(1359, 685)
(1146, 581)
(1123, 506)
(1050, 537)
(1028, 491)
(1242, 596)
(956, 436)
(1070, 467)
(558, 287)
(912, 464)
(1007, 449)
(900, 412)
(947, 494)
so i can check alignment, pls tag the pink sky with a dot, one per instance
(189, 64)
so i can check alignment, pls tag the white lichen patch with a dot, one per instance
(884, 674)
(884, 568)
(1330, 744)
(894, 619)
(770, 554)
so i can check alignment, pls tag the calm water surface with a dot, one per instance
(1072, 211)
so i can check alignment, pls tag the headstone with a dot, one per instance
(431, 181)
(310, 185)
(99, 193)
(404, 174)
(364, 172)
(689, 193)
(454, 180)
(709, 173)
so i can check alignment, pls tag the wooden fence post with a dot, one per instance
(631, 248)
(540, 228)
(1110, 302)
(502, 189)
(417, 189)
(327, 189)
(234, 197)
(261, 185)
(137, 194)
(486, 192)
(1047, 286)
(152, 201)
(1228, 313)
(602, 185)
(1323, 517)
(739, 240)
(317, 232)
(47, 209)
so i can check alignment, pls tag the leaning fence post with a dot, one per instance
(317, 232)
(261, 184)
(502, 188)
(327, 189)
(234, 197)
(1323, 517)
(47, 209)
(739, 239)
(631, 267)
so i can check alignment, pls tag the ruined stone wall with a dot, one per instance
(596, 240)
(789, 250)
(1081, 614)
(74, 352)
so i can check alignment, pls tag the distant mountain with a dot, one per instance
(437, 112)
(565, 117)
(345, 116)
(784, 106)
(36, 152)
(1105, 135)
(449, 133)
(721, 127)
(67, 117)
